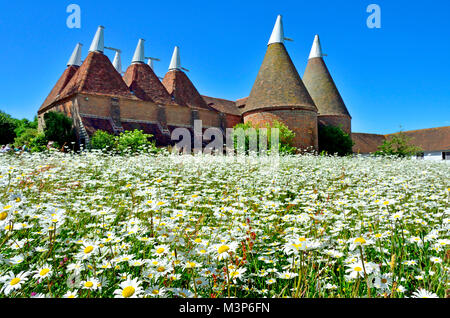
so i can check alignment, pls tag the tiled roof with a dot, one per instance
(367, 143)
(59, 86)
(241, 102)
(183, 91)
(433, 139)
(96, 76)
(141, 80)
(222, 105)
(278, 83)
(322, 88)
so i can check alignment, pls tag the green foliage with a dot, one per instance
(58, 128)
(38, 143)
(7, 127)
(25, 137)
(134, 141)
(24, 125)
(127, 142)
(398, 145)
(102, 140)
(286, 136)
(333, 140)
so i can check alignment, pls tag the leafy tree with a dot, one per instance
(286, 136)
(7, 127)
(59, 128)
(333, 140)
(24, 125)
(398, 145)
(103, 141)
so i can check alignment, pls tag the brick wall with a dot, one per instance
(303, 123)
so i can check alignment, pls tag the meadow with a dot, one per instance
(100, 226)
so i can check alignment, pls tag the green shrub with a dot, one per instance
(398, 145)
(7, 127)
(286, 136)
(102, 140)
(333, 140)
(59, 128)
(38, 143)
(25, 137)
(134, 141)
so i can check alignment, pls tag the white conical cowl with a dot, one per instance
(139, 54)
(117, 63)
(278, 32)
(175, 63)
(151, 64)
(98, 44)
(316, 50)
(75, 59)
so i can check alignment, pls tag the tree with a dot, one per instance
(333, 140)
(7, 127)
(398, 145)
(59, 128)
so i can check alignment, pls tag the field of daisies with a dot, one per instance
(100, 226)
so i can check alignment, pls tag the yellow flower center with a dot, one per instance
(160, 250)
(3, 216)
(89, 284)
(358, 269)
(223, 249)
(88, 249)
(161, 269)
(44, 272)
(7, 207)
(155, 292)
(360, 240)
(15, 281)
(128, 292)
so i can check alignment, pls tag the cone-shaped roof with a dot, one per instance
(321, 86)
(175, 63)
(98, 43)
(141, 79)
(75, 58)
(316, 50)
(183, 91)
(139, 54)
(117, 63)
(278, 83)
(96, 76)
(278, 32)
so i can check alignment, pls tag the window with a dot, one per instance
(446, 155)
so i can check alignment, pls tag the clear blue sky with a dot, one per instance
(395, 76)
